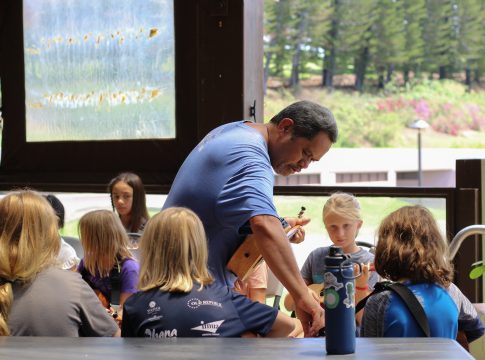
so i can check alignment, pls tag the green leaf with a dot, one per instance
(477, 272)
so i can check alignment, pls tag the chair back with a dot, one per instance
(369, 246)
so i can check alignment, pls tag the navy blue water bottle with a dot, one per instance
(339, 302)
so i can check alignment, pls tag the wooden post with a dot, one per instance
(470, 177)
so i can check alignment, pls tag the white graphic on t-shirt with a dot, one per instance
(211, 327)
(194, 303)
(151, 333)
(152, 307)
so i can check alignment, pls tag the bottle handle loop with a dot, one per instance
(347, 263)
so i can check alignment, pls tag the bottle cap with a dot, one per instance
(336, 251)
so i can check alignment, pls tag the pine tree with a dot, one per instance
(469, 35)
(357, 21)
(330, 43)
(388, 41)
(441, 37)
(276, 28)
(414, 53)
(480, 69)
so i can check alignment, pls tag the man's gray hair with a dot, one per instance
(309, 119)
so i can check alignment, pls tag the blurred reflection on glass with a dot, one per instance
(99, 70)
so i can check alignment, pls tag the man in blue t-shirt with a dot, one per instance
(227, 180)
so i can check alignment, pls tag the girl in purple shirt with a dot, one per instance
(106, 256)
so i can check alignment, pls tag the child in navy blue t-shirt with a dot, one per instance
(179, 297)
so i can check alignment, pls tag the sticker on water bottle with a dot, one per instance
(332, 298)
(332, 281)
(349, 300)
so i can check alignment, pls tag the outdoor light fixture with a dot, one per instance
(419, 125)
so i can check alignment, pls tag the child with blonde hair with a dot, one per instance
(36, 297)
(412, 251)
(179, 297)
(108, 266)
(342, 219)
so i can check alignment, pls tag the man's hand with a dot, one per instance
(300, 233)
(276, 250)
(311, 314)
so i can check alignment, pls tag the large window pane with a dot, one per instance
(1, 118)
(99, 70)
(374, 209)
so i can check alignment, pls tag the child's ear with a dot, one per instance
(359, 224)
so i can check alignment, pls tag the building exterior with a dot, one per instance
(382, 167)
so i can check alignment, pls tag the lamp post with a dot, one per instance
(419, 125)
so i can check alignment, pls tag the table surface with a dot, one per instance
(19, 348)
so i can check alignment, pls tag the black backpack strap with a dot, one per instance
(378, 287)
(409, 299)
(115, 280)
(413, 305)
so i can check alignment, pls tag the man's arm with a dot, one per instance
(276, 250)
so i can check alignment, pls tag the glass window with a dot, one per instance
(99, 70)
(374, 209)
(1, 118)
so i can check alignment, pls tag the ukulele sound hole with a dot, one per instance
(246, 254)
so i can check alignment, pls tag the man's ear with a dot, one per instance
(286, 125)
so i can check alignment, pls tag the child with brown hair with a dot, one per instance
(179, 297)
(128, 198)
(412, 251)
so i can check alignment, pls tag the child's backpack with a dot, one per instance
(413, 305)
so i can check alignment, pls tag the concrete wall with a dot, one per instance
(438, 165)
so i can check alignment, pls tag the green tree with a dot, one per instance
(480, 69)
(470, 35)
(414, 18)
(441, 37)
(276, 22)
(308, 23)
(388, 42)
(330, 39)
(357, 21)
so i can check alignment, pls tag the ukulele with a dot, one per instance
(248, 256)
(317, 289)
(113, 310)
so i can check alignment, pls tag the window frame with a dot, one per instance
(93, 162)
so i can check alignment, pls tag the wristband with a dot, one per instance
(361, 288)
